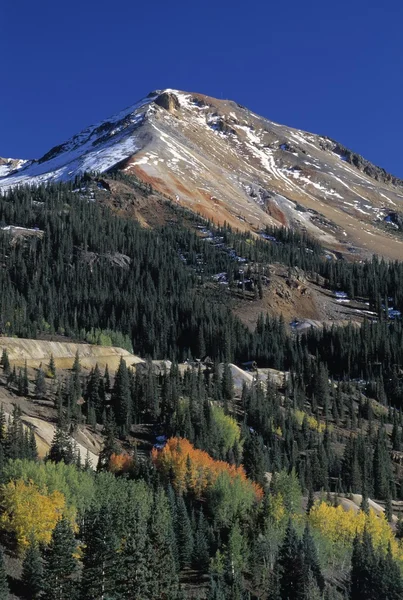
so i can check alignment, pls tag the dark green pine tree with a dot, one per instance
(389, 584)
(107, 381)
(61, 449)
(162, 542)
(14, 443)
(227, 385)
(311, 559)
(255, 459)
(40, 384)
(94, 393)
(381, 467)
(4, 362)
(99, 573)
(3, 423)
(311, 500)
(290, 563)
(52, 367)
(201, 558)
(4, 589)
(110, 444)
(184, 533)
(363, 567)
(135, 577)
(32, 572)
(217, 589)
(121, 398)
(60, 564)
(25, 382)
(76, 368)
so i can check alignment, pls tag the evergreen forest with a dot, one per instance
(287, 485)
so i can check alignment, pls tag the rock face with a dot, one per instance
(168, 100)
(228, 164)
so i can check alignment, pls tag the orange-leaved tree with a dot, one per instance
(196, 471)
(120, 463)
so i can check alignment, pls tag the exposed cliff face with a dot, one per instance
(228, 164)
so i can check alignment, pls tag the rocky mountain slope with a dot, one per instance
(228, 164)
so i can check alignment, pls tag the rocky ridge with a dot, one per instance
(228, 164)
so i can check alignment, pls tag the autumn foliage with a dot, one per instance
(29, 513)
(120, 463)
(340, 527)
(195, 470)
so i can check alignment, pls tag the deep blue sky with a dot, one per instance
(334, 68)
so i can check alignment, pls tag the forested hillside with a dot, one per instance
(278, 489)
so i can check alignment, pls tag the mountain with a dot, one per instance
(10, 165)
(229, 164)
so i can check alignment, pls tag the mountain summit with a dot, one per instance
(229, 164)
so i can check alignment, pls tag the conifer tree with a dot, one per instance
(255, 458)
(60, 564)
(107, 381)
(362, 568)
(311, 559)
(61, 448)
(227, 384)
(100, 558)
(25, 383)
(4, 589)
(290, 565)
(32, 572)
(40, 385)
(162, 543)
(52, 367)
(4, 362)
(2, 424)
(121, 398)
(184, 533)
(201, 557)
(135, 577)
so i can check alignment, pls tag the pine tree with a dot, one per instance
(311, 559)
(32, 572)
(255, 459)
(290, 565)
(184, 534)
(390, 583)
(99, 572)
(227, 384)
(162, 543)
(121, 398)
(110, 445)
(363, 566)
(135, 577)
(76, 368)
(311, 500)
(40, 385)
(25, 383)
(52, 367)
(61, 449)
(4, 362)
(201, 557)
(4, 590)
(2, 424)
(60, 563)
(107, 381)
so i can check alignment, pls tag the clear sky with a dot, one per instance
(334, 68)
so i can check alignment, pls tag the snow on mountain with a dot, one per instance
(9, 165)
(97, 148)
(228, 164)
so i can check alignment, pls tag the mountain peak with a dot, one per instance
(229, 164)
